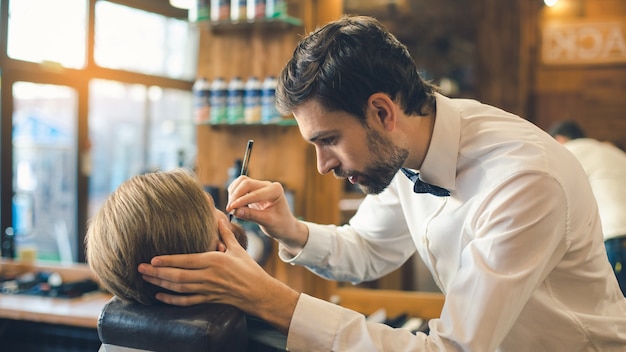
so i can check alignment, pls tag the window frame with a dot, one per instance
(13, 70)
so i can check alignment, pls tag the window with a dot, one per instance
(44, 183)
(140, 41)
(48, 31)
(84, 106)
(135, 129)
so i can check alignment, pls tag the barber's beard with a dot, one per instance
(387, 159)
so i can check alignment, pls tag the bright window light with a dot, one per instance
(48, 31)
(550, 3)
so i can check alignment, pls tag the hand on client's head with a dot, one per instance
(237, 231)
(209, 276)
(238, 234)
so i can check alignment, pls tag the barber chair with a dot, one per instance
(132, 327)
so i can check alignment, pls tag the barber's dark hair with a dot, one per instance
(343, 63)
(567, 128)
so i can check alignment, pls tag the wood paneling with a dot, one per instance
(505, 47)
(280, 154)
(425, 305)
(593, 94)
(604, 8)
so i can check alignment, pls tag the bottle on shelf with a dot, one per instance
(275, 8)
(199, 11)
(255, 10)
(238, 10)
(235, 101)
(269, 114)
(220, 10)
(202, 104)
(252, 101)
(219, 92)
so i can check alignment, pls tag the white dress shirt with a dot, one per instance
(517, 248)
(605, 166)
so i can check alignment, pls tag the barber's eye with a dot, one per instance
(327, 141)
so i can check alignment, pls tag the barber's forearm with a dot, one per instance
(277, 306)
(278, 302)
(294, 244)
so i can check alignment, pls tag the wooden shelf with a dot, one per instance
(280, 23)
(284, 122)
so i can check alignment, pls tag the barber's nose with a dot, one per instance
(326, 161)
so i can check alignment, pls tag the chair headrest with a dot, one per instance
(203, 327)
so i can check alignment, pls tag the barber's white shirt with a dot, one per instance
(605, 165)
(517, 248)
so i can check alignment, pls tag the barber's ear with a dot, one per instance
(383, 109)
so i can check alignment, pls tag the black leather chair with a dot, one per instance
(130, 327)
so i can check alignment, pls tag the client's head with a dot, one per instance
(148, 215)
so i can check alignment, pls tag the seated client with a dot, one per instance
(149, 215)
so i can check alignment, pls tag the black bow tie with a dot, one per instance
(423, 187)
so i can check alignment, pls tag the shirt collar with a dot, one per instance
(439, 165)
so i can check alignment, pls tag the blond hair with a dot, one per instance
(148, 215)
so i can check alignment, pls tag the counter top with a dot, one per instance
(82, 311)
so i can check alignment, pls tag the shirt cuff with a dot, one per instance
(316, 248)
(314, 325)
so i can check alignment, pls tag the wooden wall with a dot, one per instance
(280, 154)
(502, 63)
(511, 74)
(594, 94)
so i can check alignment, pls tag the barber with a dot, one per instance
(502, 215)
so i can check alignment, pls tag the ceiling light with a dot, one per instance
(183, 4)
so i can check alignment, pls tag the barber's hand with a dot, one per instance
(216, 276)
(264, 203)
(230, 277)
